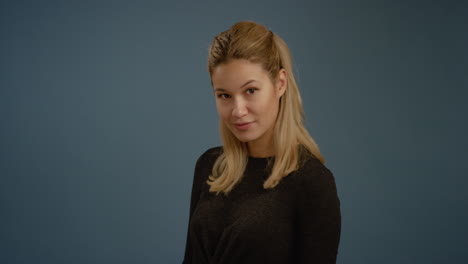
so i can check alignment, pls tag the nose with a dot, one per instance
(240, 109)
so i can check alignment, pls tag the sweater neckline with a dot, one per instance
(260, 158)
(260, 162)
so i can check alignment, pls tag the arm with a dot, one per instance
(319, 217)
(195, 195)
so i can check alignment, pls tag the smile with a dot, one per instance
(244, 126)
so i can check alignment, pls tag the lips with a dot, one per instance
(242, 124)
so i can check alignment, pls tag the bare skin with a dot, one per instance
(241, 100)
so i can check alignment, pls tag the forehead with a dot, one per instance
(234, 74)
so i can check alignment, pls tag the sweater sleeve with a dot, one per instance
(195, 196)
(319, 217)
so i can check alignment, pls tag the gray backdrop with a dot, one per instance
(106, 105)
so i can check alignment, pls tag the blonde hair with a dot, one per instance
(254, 42)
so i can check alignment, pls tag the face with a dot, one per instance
(247, 100)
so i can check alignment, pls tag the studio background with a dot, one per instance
(106, 105)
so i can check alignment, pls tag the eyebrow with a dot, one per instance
(249, 81)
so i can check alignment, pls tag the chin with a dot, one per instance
(245, 138)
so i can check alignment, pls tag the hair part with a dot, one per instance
(257, 44)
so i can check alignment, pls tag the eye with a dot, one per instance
(252, 89)
(221, 96)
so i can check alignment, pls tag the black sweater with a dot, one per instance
(299, 221)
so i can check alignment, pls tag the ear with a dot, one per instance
(281, 82)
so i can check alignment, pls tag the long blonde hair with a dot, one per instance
(254, 42)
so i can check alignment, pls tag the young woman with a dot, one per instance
(265, 195)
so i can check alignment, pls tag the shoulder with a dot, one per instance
(204, 164)
(316, 187)
(209, 156)
(314, 175)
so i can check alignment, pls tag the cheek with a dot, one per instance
(223, 112)
(268, 108)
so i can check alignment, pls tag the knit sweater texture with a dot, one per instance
(298, 221)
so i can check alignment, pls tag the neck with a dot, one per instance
(261, 153)
(259, 149)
